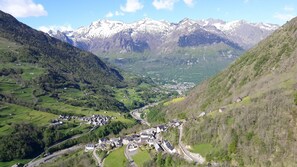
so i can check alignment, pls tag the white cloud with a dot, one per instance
(189, 2)
(164, 4)
(132, 6)
(117, 13)
(22, 8)
(284, 16)
(287, 14)
(55, 28)
(109, 14)
(289, 9)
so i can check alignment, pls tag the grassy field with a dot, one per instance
(29, 71)
(141, 157)
(78, 158)
(54, 104)
(13, 113)
(176, 100)
(202, 149)
(140, 94)
(4, 44)
(183, 65)
(10, 163)
(10, 113)
(116, 158)
(7, 86)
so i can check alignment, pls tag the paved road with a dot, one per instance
(73, 137)
(98, 160)
(188, 155)
(129, 156)
(137, 112)
(54, 155)
(136, 115)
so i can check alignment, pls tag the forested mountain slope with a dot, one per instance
(46, 86)
(251, 113)
(33, 60)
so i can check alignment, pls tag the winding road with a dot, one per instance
(53, 156)
(129, 156)
(136, 115)
(73, 137)
(98, 160)
(188, 155)
(137, 112)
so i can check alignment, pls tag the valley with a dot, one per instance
(127, 90)
(186, 65)
(169, 53)
(58, 103)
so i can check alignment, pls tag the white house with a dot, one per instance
(89, 147)
(150, 142)
(102, 141)
(158, 147)
(161, 128)
(127, 140)
(116, 142)
(132, 147)
(151, 131)
(168, 147)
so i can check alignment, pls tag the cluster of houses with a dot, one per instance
(67, 117)
(96, 120)
(181, 88)
(149, 137)
(56, 122)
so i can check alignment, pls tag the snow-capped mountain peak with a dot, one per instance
(266, 26)
(154, 35)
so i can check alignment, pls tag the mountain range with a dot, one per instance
(187, 51)
(162, 37)
(246, 115)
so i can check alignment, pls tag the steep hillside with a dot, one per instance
(48, 67)
(251, 113)
(57, 56)
(47, 86)
(34, 60)
(44, 74)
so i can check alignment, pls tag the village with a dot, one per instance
(180, 87)
(94, 120)
(151, 137)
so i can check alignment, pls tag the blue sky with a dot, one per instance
(76, 13)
